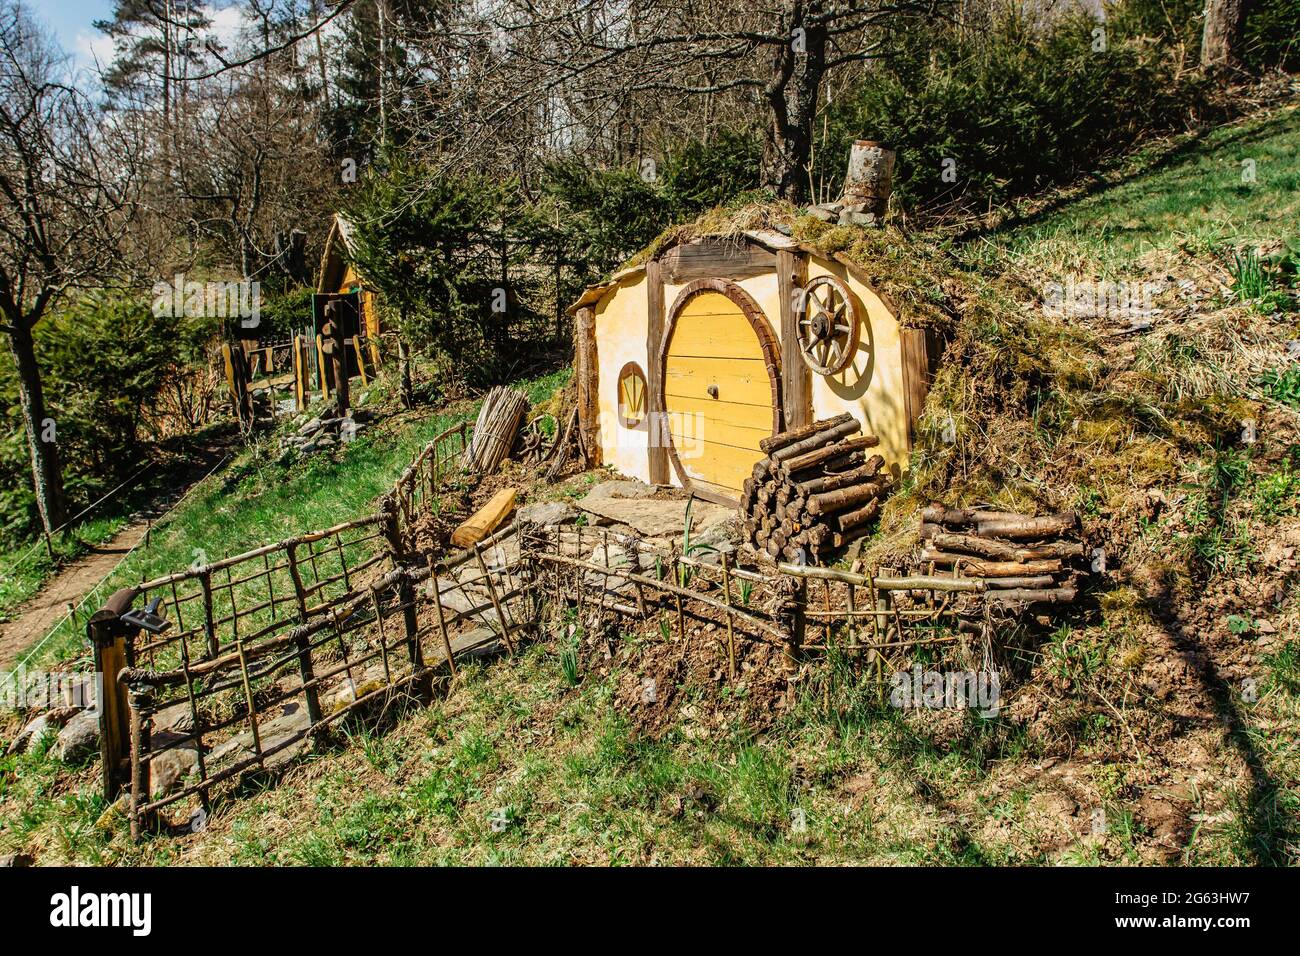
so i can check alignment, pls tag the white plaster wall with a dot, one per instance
(621, 329)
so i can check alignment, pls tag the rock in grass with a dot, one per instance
(547, 513)
(79, 739)
(174, 717)
(852, 218)
(826, 212)
(30, 736)
(169, 768)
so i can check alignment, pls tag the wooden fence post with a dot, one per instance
(406, 595)
(391, 526)
(141, 707)
(791, 612)
(108, 638)
(300, 638)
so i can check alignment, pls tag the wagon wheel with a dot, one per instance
(828, 328)
(532, 445)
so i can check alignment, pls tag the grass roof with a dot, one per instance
(915, 273)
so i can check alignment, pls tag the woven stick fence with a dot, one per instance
(806, 611)
(270, 648)
(420, 487)
(260, 698)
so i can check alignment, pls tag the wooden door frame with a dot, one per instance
(771, 353)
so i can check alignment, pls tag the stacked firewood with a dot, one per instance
(815, 492)
(1022, 559)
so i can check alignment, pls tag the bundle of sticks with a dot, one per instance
(1023, 559)
(494, 432)
(815, 492)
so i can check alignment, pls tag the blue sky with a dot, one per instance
(73, 22)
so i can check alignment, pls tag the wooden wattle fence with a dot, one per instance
(419, 487)
(266, 634)
(270, 648)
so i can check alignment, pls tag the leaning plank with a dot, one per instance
(484, 521)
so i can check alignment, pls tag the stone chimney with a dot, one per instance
(867, 185)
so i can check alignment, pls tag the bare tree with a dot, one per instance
(608, 56)
(65, 208)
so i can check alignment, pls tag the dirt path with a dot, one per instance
(37, 616)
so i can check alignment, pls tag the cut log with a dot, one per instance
(1033, 596)
(821, 456)
(484, 521)
(941, 514)
(840, 540)
(1036, 583)
(991, 569)
(1005, 551)
(1044, 527)
(790, 436)
(845, 498)
(853, 519)
(815, 486)
(817, 440)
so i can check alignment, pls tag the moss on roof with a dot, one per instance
(917, 275)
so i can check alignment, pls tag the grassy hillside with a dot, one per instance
(1156, 724)
(1196, 198)
(262, 497)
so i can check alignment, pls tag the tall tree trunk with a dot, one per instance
(404, 360)
(320, 57)
(1225, 22)
(797, 70)
(47, 477)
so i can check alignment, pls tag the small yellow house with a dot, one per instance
(338, 279)
(688, 359)
(337, 276)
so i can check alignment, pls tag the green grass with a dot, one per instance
(27, 567)
(1196, 198)
(259, 498)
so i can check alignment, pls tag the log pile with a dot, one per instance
(1022, 559)
(815, 492)
(495, 430)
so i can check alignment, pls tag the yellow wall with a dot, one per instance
(369, 314)
(871, 387)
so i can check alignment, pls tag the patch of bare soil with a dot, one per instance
(684, 682)
(38, 616)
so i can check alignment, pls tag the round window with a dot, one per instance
(633, 396)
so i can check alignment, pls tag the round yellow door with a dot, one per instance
(718, 392)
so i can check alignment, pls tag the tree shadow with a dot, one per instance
(1097, 183)
(1271, 829)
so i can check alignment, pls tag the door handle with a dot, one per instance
(713, 391)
